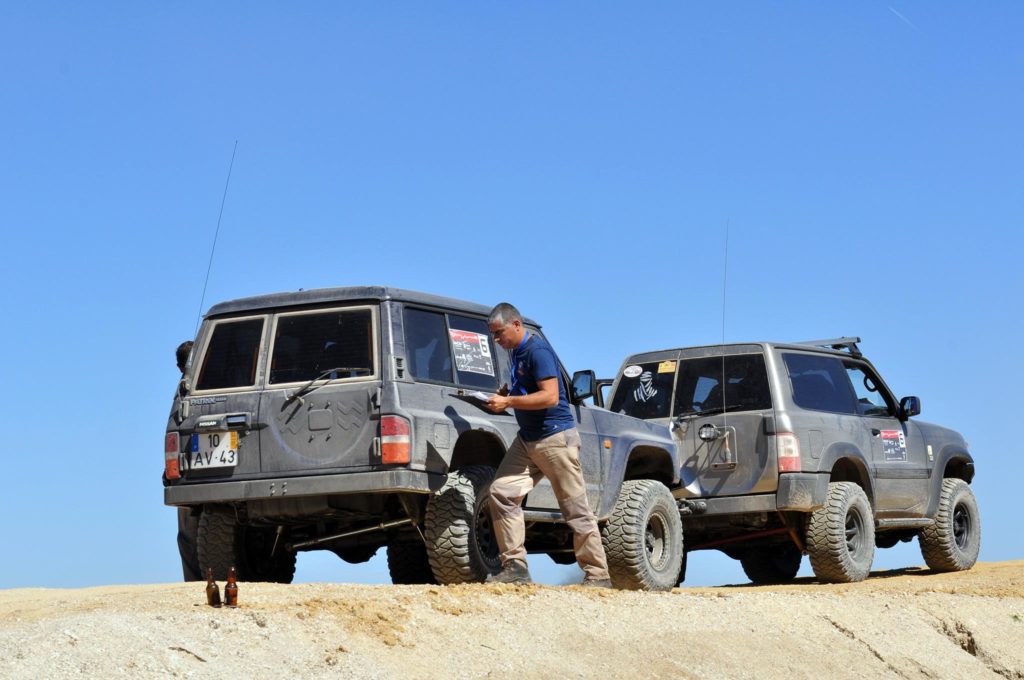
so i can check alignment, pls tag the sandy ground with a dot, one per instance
(899, 624)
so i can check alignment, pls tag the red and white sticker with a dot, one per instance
(472, 352)
(894, 445)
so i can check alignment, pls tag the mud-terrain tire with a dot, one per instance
(953, 541)
(224, 543)
(772, 564)
(408, 564)
(461, 545)
(643, 538)
(841, 535)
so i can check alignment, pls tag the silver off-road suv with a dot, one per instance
(793, 448)
(344, 419)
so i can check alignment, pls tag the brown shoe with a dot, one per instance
(513, 571)
(597, 583)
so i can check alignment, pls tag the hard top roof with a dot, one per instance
(846, 346)
(317, 296)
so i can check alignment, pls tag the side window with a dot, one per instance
(426, 345)
(715, 385)
(307, 346)
(231, 355)
(870, 399)
(456, 349)
(471, 346)
(820, 383)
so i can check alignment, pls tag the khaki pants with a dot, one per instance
(557, 458)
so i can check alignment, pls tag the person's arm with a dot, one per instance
(545, 397)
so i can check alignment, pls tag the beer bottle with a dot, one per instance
(231, 589)
(212, 591)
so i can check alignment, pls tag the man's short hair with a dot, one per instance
(181, 354)
(504, 314)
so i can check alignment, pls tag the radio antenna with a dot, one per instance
(209, 266)
(725, 279)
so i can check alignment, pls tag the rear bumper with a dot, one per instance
(801, 491)
(382, 481)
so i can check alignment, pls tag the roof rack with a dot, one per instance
(849, 344)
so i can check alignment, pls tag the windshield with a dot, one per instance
(645, 390)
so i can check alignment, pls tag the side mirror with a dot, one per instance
(909, 407)
(583, 385)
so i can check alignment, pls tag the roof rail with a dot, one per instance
(849, 344)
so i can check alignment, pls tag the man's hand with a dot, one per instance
(545, 397)
(499, 403)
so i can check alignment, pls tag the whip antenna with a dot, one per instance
(209, 266)
(725, 278)
(725, 382)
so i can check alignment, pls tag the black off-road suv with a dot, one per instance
(794, 448)
(344, 419)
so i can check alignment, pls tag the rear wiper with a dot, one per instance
(308, 387)
(711, 411)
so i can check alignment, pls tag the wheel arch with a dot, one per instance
(853, 468)
(649, 462)
(953, 463)
(477, 447)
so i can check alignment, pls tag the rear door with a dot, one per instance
(320, 409)
(218, 439)
(721, 403)
(450, 356)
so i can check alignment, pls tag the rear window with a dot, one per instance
(820, 383)
(722, 385)
(335, 344)
(231, 355)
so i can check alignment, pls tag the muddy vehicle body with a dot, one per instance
(789, 449)
(344, 419)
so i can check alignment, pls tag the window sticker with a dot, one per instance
(894, 445)
(667, 367)
(472, 352)
(647, 390)
(632, 371)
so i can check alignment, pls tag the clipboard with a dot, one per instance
(478, 399)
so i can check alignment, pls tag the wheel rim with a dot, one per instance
(854, 532)
(654, 539)
(961, 526)
(485, 533)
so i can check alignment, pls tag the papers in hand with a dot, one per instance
(480, 396)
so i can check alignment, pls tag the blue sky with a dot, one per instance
(581, 160)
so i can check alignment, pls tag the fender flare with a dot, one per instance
(616, 474)
(845, 452)
(957, 455)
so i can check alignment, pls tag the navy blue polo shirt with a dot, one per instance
(532, 362)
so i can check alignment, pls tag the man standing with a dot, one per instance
(548, 445)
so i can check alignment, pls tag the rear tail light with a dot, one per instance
(395, 442)
(172, 449)
(788, 448)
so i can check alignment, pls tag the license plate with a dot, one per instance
(212, 450)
